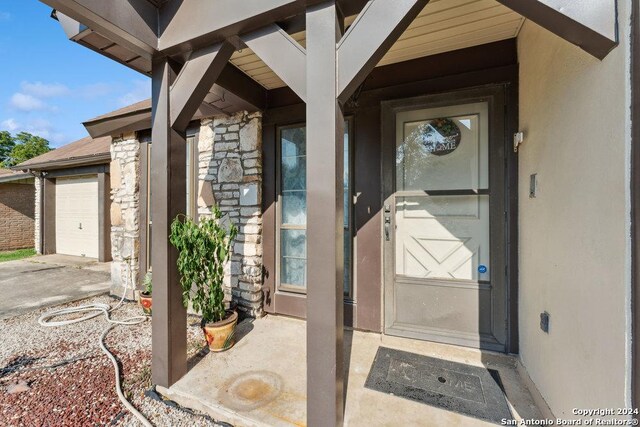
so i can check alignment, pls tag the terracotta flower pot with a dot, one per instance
(145, 303)
(219, 335)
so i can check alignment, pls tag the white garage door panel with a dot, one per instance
(77, 216)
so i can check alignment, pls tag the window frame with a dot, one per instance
(279, 286)
(192, 169)
(348, 229)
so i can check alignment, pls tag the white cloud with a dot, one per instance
(40, 127)
(44, 90)
(141, 90)
(10, 124)
(32, 95)
(26, 102)
(52, 90)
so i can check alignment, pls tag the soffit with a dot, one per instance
(443, 25)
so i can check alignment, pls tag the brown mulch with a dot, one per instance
(77, 394)
(76, 391)
(57, 377)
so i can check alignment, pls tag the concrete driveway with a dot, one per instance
(47, 280)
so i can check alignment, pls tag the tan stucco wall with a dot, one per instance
(574, 257)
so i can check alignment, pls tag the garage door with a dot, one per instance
(77, 216)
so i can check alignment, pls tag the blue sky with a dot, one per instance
(50, 85)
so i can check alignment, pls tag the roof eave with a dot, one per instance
(135, 121)
(128, 122)
(66, 163)
(16, 177)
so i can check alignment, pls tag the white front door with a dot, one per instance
(77, 216)
(437, 229)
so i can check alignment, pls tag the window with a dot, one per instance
(192, 178)
(292, 210)
(191, 190)
(149, 245)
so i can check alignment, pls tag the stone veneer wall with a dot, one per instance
(125, 213)
(230, 175)
(37, 182)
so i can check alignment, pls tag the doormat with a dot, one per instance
(465, 389)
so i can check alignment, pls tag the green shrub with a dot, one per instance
(148, 284)
(203, 248)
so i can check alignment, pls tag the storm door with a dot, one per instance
(444, 270)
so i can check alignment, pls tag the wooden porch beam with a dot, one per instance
(374, 31)
(590, 25)
(168, 183)
(282, 54)
(195, 80)
(238, 87)
(130, 23)
(197, 23)
(325, 205)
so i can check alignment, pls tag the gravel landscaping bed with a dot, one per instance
(59, 377)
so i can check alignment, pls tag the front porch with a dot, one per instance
(482, 72)
(262, 380)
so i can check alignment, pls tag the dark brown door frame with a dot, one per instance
(291, 303)
(501, 194)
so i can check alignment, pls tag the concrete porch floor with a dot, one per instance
(261, 381)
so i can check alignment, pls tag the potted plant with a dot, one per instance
(203, 250)
(145, 296)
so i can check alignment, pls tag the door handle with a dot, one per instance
(387, 222)
(387, 228)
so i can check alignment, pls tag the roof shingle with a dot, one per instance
(82, 150)
(133, 108)
(7, 172)
(8, 175)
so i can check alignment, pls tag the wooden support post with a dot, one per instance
(168, 199)
(104, 218)
(48, 218)
(325, 139)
